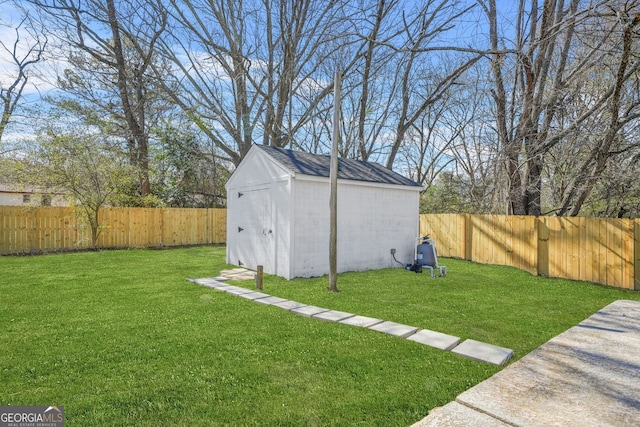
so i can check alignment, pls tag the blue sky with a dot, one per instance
(470, 31)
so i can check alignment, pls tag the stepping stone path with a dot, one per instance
(471, 349)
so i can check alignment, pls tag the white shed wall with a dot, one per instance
(263, 213)
(372, 219)
(310, 228)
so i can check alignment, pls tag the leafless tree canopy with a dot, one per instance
(22, 52)
(524, 107)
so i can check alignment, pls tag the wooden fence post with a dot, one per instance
(467, 224)
(636, 251)
(543, 247)
(259, 276)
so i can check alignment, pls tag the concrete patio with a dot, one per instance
(587, 376)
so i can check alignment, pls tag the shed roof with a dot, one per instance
(319, 165)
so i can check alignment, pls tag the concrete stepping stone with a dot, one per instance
(235, 290)
(333, 315)
(221, 286)
(308, 310)
(209, 283)
(253, 295)
(395, 329)
(362, 321)
(213, 285)
(289, 305)
(270, 300)
(435, 339)
(203, 280)
(483, 352)
(234, 271)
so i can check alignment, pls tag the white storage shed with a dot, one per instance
(278, 214)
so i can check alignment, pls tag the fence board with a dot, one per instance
(612, 265)
(627, 253)
(169, 227)
(524, 254)
(447, 230)
(589, 245)
(543, 247)
(511, 225)
(556, 255)
(484, 253)
(636, 258)
(25, 230)
(217, 225)
(599, 250)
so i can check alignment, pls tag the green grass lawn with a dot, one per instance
(121, 338)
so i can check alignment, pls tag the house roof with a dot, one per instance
(319, 165)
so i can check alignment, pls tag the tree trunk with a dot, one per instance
(135, 128)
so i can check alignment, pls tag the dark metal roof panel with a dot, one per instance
(319, 165)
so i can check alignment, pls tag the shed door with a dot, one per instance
(256, 240)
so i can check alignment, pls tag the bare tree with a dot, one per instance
(615, 115)
(452, 151)
(534, 81)
(402, 69)
(426, 148)
(298, 40)
(560, 80)
(22, 55)
(518, 123)
(250, 70)
(417, 94)
(108, 33)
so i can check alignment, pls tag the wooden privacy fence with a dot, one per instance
(600, 250)
(32, 230)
